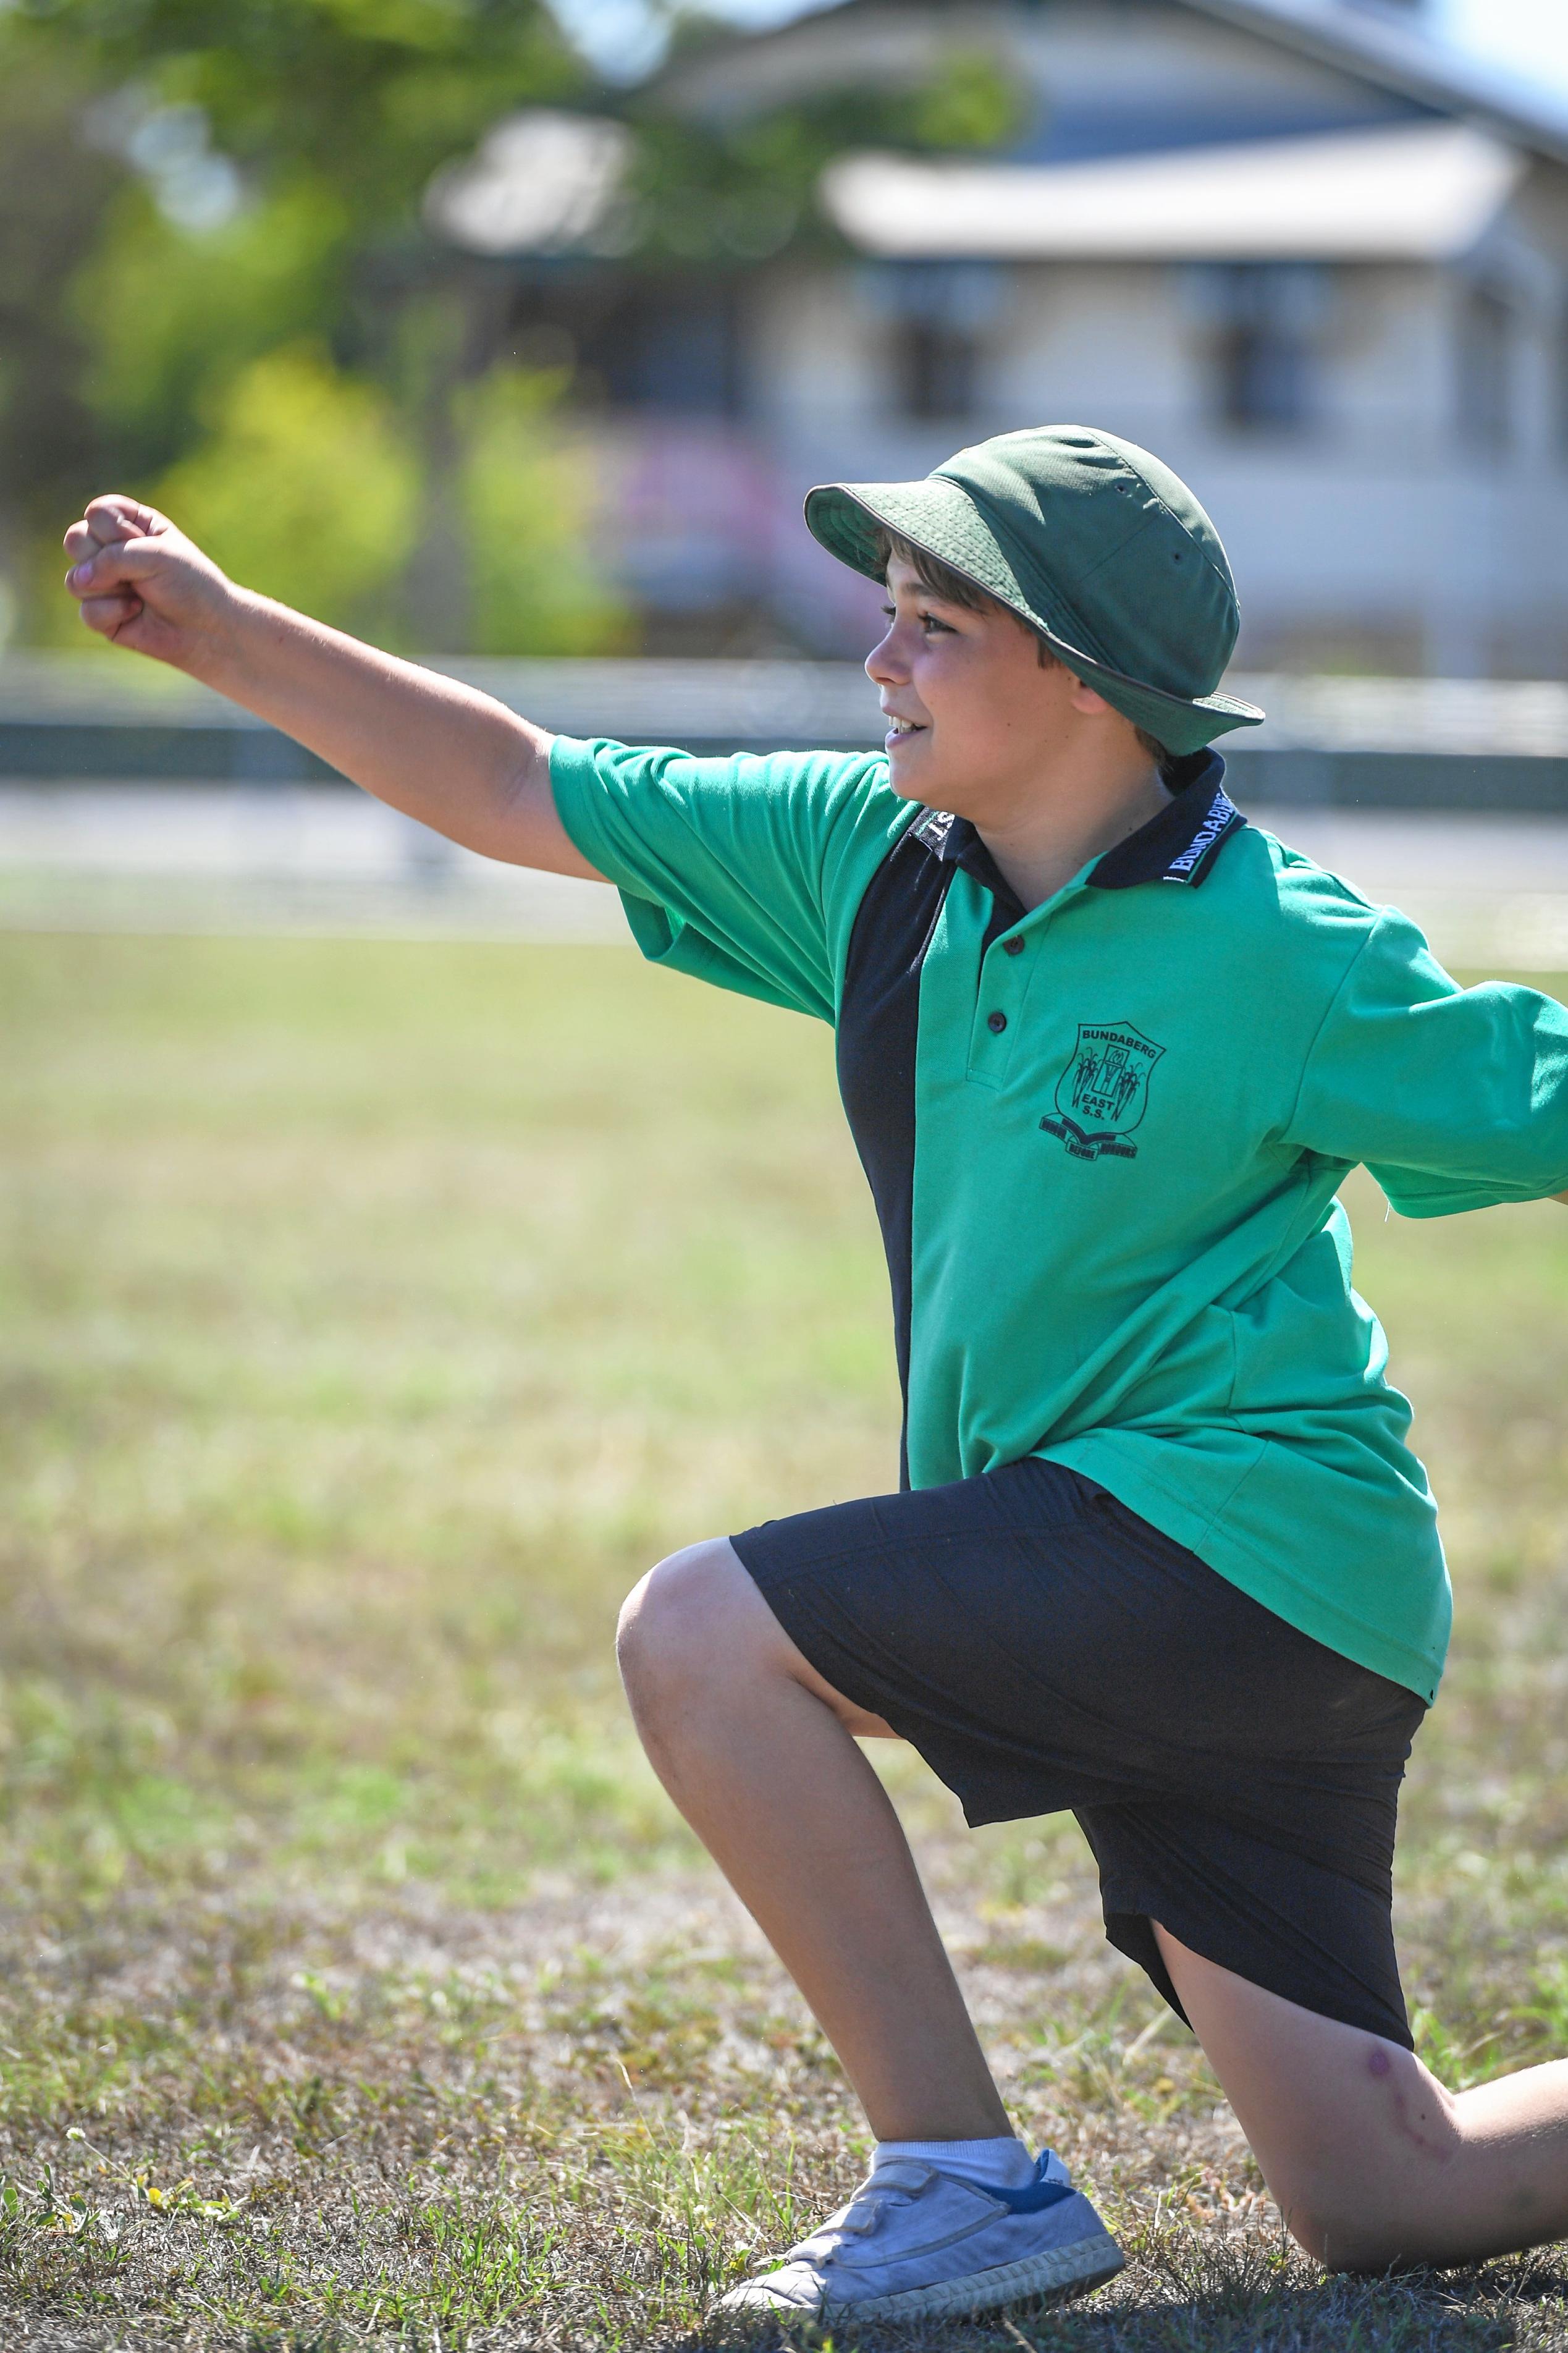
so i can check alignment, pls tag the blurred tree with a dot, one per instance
(167, 316)
(211, 256)
(310, 486)
(743, 189)
(328, 117)
(307, 490)
(526, 498)
(51, 219)
(361, 97)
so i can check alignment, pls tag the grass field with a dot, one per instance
(373, 1315)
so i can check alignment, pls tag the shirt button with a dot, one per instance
(1012, 947)
(997, 1022)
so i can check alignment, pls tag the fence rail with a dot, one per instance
(1337, 742)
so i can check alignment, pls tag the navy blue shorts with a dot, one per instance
(1045, 1648)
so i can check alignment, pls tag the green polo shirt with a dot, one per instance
(1105, 1138)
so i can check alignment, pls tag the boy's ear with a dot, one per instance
(1086, 700)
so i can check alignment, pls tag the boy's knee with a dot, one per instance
(1341, 2241)
(672, 1618)
(1325, 2222)
(1316, 2227)
(1366, 2195)
(1352, 2225)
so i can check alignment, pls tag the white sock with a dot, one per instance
(1002, 2164)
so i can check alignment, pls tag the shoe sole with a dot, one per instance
(1056, 2275)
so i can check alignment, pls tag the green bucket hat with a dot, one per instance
(1093, 543)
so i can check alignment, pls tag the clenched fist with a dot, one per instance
(143, 583)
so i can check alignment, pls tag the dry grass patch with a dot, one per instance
(373, 1315)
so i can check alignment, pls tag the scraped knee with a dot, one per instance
(1376, 2203)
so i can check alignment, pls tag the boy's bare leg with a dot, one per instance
(760, 1755)
(1370, 2161)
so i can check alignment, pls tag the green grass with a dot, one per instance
(369, 1317)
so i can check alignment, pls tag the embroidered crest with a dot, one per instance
(1104, 1091)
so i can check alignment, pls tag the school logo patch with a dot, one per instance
(1104, 1091)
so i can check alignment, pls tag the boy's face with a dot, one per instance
(973, 717)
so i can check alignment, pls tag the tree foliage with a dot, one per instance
(249, 374)
(742, 190)
(315, 354)
(167, 318)
(526, 499)
(51, 222)
(363, 96)
(306, 489)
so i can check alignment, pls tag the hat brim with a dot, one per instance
(941, 517)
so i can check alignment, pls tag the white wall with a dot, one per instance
(816, 363)
(1373, 536)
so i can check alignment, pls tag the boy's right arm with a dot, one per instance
(443, 753)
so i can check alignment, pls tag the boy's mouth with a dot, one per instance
(899, 728)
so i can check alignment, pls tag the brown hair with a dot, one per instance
(954, 588)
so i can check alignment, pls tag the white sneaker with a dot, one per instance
(914, 2243)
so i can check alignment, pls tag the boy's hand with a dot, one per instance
(143, 583)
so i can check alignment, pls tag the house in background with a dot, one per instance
(1286, 244)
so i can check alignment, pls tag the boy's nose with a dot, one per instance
(883, 667)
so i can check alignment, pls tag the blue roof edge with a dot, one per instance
(1399, 57)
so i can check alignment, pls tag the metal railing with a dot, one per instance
(1344, 742)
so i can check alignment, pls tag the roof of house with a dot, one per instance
(1417, 191)
(1388, 48)
(1375, 44)
(539, 182)
(1397, 149)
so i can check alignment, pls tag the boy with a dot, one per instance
(1161, 1554)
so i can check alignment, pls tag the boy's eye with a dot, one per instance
(928, 621)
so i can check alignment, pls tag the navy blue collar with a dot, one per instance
(1179, 844)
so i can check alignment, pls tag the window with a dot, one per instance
(935, 365)
(1486, 371)
(669, 343)
(936, 315)
(1267, 319)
